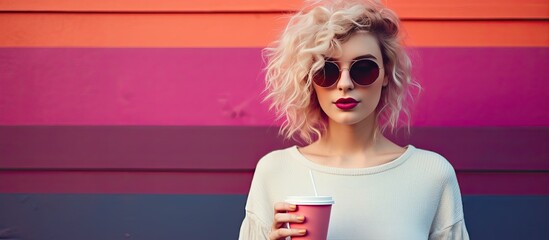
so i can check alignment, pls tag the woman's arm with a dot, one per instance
(449, 223)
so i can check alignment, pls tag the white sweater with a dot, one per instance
(415, 196)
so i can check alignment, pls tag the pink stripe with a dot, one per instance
(482, 87)
(498, 183)
(182, 86)
(102, 86)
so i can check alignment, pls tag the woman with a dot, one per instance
(339, 77)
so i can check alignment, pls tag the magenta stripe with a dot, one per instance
(221, 86)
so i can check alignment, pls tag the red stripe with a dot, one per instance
(471, 183)
(124, 182)
(118, 86)
(504, 183)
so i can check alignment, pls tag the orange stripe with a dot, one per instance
(232, 30)
(443, 9)
(147, 5)
(478, 33)
(470, 9)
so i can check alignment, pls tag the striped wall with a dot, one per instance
(131, 120)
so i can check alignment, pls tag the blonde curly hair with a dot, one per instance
(317, 31)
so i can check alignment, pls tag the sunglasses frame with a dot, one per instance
(349, 69)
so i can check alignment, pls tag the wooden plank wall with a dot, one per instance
(98, 112)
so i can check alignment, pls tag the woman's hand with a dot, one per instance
(281, 217)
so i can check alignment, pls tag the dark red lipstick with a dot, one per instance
(346, 103)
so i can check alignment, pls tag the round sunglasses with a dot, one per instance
(363, 72)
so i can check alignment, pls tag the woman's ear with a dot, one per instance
(385, 81)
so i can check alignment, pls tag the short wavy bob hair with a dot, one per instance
(313, 33)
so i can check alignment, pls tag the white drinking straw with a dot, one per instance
(313, 181)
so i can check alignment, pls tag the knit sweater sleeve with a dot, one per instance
(253, 228)
(454, 232)
(449, 223)
(256, 224)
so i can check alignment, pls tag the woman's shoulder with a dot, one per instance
(276, 159)
(429, 154)
(432, 160)
(277, 154)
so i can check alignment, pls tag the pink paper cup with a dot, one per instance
(316, 210)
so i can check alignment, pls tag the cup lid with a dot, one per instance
(310, 200)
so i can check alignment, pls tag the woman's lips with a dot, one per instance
(346, 103)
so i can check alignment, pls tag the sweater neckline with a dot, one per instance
(352, 171)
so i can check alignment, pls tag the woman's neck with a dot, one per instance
(352, 146)
(341, 139)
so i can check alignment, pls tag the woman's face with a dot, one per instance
(337, 101)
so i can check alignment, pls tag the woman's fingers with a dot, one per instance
(286, 217)
(284, 207)
(282, 217)
(285, 232)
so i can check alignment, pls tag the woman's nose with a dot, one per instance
(345, 82)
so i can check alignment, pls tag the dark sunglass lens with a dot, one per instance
(364, 72)
(328, 75)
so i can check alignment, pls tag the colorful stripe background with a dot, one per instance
(131, 120)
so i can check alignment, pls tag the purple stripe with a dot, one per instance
(172, 148)
(221, 86)
(489, 148)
